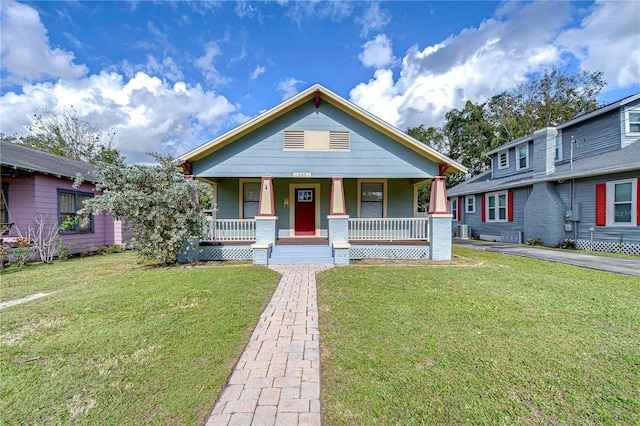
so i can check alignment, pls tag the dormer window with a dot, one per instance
(633, 121)
(503, 160)
(522, 157)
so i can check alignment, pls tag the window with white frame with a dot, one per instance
(503, 159)
(496, 207)
(522, 157)
(69, 203)
(558, 156)
(633, 121)
(622, 202)
(454, 208)
(471, 204)
(250, 198)
(371, 197)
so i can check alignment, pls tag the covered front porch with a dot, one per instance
(315, 217)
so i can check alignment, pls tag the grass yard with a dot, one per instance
(118, 343)
(511, 341)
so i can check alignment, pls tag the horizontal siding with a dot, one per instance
(38, 196)
(585, 191)
(399, 198)
(474, 220)
(595, 136)
(261, 152)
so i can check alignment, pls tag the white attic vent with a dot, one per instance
(314, 140)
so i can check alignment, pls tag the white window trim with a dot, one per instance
(497, 195)
(526, 156)
(241, 196)
(384, 194)
(416, 213)
(453, 211)
(558, 146)
(467, 204)
(506, 153)
(611, 203)
(627, 121)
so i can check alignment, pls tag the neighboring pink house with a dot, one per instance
(39, 184)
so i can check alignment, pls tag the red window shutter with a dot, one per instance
(601, 204)
(638, 201)
(459, 209)
(482, 204)
(510, 206)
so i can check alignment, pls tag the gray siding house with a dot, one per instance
(577, 181)
(318, 170)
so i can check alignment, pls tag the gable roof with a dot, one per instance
(328, 96)
(19, 157)
(599, 111)
(617, 161)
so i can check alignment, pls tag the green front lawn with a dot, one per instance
(510, 341)
(120, 344)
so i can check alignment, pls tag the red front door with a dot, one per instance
(305, 211)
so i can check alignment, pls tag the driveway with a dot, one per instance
(619, 265)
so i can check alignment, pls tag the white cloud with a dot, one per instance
(260, 69)
(374, 19)
(474, 64)
(336, 10)
(26, 53)
(147, 113)
(377, 53)
(608, 40)
(205, 63)
(288, 87)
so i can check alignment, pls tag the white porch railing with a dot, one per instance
(389, 229)
(231, 229)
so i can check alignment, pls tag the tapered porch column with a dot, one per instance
(265, 223)
(266, 206)
(338, 223)
(439, 221)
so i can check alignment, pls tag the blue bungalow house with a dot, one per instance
(318, 176)
(577, 181)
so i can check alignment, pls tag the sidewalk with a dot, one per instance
(277, 379)
(619, 265)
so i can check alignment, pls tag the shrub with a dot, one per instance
(567, 244)
(535, 242)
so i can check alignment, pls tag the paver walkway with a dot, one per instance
(277, 379)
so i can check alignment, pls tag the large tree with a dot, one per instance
(64, 132)
(546, 99)
(158, 203)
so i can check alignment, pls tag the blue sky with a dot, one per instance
(167, 76)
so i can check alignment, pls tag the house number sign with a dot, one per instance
(301, 175)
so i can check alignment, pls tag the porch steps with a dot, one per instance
(305, 254)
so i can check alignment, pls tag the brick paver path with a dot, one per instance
(277, 379)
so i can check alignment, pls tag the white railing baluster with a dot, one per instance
(232, 229)
(391, 229)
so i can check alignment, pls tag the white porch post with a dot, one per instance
(338, 223)
(439, 221)
(265, 223)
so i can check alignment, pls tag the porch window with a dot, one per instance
(471, 204)
(497, 207)
(454, 208)
(522, 154)
(69, 202)
(371, 199)
(250, 199)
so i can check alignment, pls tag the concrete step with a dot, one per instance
(301, 255)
